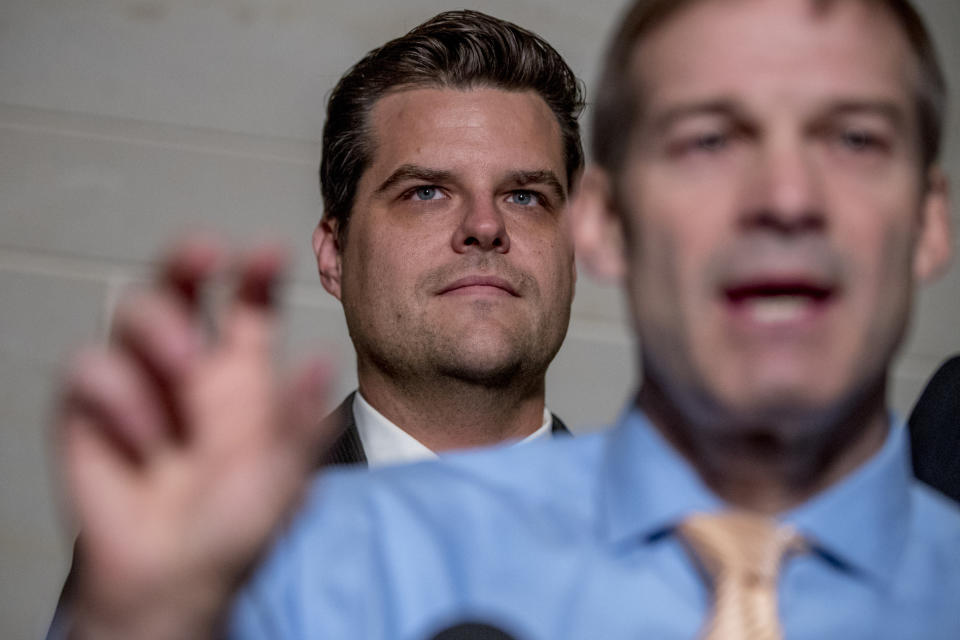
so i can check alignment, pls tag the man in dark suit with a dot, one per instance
(445, 238)
(448, 156)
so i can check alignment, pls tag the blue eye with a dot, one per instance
(426, 193)
(524, 198)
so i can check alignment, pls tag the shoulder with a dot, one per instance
(930, 565)
(924, 592)
(936, 521)
(558, 473)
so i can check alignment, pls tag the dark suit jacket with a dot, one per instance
(348, 449)
(935, 431)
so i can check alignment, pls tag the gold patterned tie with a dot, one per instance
(741, 555)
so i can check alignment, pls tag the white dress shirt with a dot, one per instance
(385, 443)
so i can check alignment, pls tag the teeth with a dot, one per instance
(773, 309)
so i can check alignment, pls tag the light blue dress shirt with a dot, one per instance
(575, 538)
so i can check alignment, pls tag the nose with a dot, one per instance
(787, 191)
(482, 227)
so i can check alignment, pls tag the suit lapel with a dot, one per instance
(347, 448)
(558, 428)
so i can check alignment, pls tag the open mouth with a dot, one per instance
(778, 302)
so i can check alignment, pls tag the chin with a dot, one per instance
(499, 374)
(788, 409)
(776, 398)
(495, 363)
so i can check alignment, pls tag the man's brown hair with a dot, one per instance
(457, 50)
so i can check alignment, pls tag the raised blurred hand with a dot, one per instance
(182, 452)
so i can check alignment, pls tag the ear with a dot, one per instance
(935, 243)
(327, 249)
(597, 229)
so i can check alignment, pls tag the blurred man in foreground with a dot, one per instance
(766, 186)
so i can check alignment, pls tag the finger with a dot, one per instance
(110, 391)
(93, 468)
(260, 274)
(157, 330)
(249, 321)
(160, 329)
(188, 265)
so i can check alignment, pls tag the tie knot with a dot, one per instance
(740, 545)
(741, 554)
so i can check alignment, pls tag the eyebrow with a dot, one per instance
(887, 110)
(413, 172)
(672, 115)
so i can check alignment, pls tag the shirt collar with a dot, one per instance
(861, 522)
(648, 488)
(385, 443)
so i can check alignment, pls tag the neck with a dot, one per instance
(444, 413)
(768, 466)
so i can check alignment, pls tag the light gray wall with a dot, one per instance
(124, 122)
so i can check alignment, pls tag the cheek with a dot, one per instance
(557, 276)
(879, 235)
(669, 255)
(657, 267)
(880, 282)
(561, 257)
(370, 267)
(893, 266)
(677, 222)
(545, 252)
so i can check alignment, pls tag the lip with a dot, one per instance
(816, 291)
(780, 303)
(478, 285)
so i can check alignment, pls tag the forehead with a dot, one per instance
(794, 51)
(468, 131)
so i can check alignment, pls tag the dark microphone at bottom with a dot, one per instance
(472, 631)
